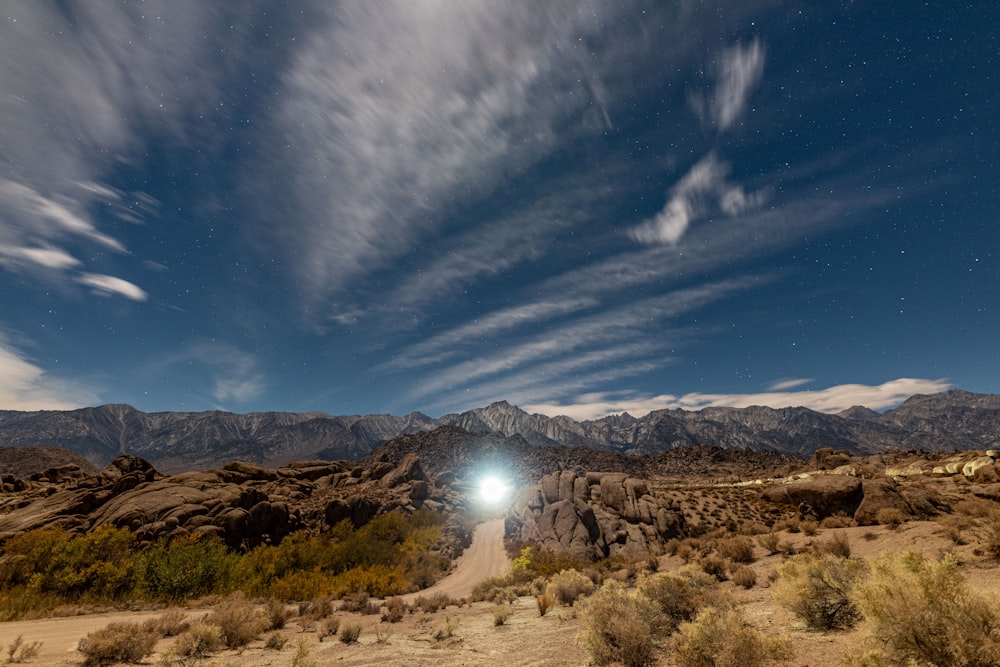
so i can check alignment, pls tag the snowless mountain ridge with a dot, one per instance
(953, 420)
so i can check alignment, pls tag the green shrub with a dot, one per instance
(922, 612)
(118, 642)
(620, 626)
(187, 567)
(818, 590)
(724, 638)
(568, 586)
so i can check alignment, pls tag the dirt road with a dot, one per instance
(60, 636)
(484, 558)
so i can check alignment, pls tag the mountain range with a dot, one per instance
(174, 441)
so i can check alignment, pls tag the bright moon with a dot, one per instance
(492, 489)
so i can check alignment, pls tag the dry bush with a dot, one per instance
(239, 620)
(448, 629)
(838, 521)
(358, 603)
(724, 638)
(952, 527)
(276, 641)
(978, 508)
(737, 549)
(544, 602)
(169, 624)
(568, 586)
(890, 516)
(769, 541)
(620, 626)
(809, 527)
(838, 544)
(277, 614)
(118, 642)
(383, 632)
(744, 576)
(328, 627)
(501, 613)
(818, 590)
(199, 641)
(19, 652)
(679, 595)
(317, 609)
(714, 566)
(394, 610)
(349, 633)
(922, 612)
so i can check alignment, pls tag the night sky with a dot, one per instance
(579, 207)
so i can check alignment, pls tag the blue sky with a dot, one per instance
(579, 207)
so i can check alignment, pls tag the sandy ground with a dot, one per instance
(527, 638)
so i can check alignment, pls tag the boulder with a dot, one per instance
(879, 495)
(821, 495)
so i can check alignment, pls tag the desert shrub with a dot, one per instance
(737, 549)
(169, 624)
(239, 621)
(349, 633)
(359, 603)
(744, 576)
(448, 629)
(277, 614)
(678, 595)
(186, 567)
(975, 507)
(544, 603)
(118, 642)
(809, 527)
(714, 566)
(199, 641)
(532, 563)
(432, 604)
(318, 608)
(838, 544)
(889, 516)
(837, 521)
(952, 527)
(770, 542)
(818, 590)
(328, 627)
(394, 610)
(568, 586)
(991, 543)
(724, 638)
(383, 632)
(501, 613)
(19, 652)
(620, 626)
(922, 612)
(276, 641)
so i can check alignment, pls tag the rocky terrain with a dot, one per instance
(176, 441)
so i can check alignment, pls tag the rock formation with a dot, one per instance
(593, 516)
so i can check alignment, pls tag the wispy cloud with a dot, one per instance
(82, 87)
(831, 400)
(703, 190)
(109, 285)
(612, 333)
(26, 386)
(233, 374)
(791, 383)
(737, 72)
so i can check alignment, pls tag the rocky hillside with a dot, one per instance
(173, 441)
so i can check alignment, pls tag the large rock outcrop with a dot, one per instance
(593, 516)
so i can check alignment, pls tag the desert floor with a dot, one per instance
(526, 638)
